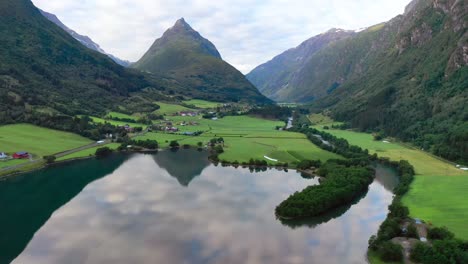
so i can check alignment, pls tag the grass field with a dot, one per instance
(437, 195)
(116, 123)
(36, 140)
(87, 152)
(121, 115)
(202, 103)
(247, 137)
(168, 109)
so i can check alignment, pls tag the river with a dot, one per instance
(176, 208)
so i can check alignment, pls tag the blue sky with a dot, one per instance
(246, 32)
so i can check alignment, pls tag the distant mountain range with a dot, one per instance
(279, 78)
(407, 77)
(85, 40)
(194, 61)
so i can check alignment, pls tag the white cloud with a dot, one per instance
(246, 32)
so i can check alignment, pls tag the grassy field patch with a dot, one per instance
(121, 116)
(169, 109)
(245, 138)
(437, 195)
(202, 103)
(37, 141)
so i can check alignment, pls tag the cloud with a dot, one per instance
(246, 32)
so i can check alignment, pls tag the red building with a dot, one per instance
(21, 155)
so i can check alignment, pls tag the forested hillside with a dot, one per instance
(407, 77)
(417, 89)
(45, 71)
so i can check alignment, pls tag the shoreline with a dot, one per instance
(43, 165)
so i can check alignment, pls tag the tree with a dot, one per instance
(219, 149)
(174, 144)
(440, 233)
(50, 159)
(391, 252)
(103, 152)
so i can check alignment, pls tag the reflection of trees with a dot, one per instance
(28, 201)
(321, 219)
(184, 165)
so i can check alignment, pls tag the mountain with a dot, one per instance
(278, 78)
(85, 40)
(194, 61)
(45, 70)
(406, 78)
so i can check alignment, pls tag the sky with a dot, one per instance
(247, 33)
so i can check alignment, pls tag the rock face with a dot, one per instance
(277, 78)
(190, 59)
(85, 40)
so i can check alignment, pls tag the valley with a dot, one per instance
(351, 147)
(438, 191)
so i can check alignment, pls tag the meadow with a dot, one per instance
(438, 194)
(168, 109)
(116, 123)
(36, 140)
(202, 103)
(245, 138)
(121, 116)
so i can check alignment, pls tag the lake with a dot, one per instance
(176, 208)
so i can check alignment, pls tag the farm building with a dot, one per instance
(21, 155)
(3, 155)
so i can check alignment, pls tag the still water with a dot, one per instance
(176, 208)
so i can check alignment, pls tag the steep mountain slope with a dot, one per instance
(44, 69)
(85, 40)
(278, 78)
(415, 86)
(194, 61)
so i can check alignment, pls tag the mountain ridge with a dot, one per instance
(188, 57)
(274, 77)
(85, 40)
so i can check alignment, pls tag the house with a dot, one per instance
(3, 155)
(21, 155)
(172, 129)
(188, 113)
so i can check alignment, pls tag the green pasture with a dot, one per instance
(116, 123)
(245, 138)
(202, 103)
(437, 195)
(121, 115)
(169, 109)
(37, 141)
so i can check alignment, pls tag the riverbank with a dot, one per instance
(438, 192)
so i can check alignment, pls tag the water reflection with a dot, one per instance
(184, 165)
(139, 214)
(28, 201)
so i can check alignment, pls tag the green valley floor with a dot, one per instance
(438, 193)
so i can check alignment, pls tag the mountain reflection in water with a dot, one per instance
(138, 213)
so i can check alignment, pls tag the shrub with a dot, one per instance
(50, 159)
(174, 144)
(439, 233)
(391, 252)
